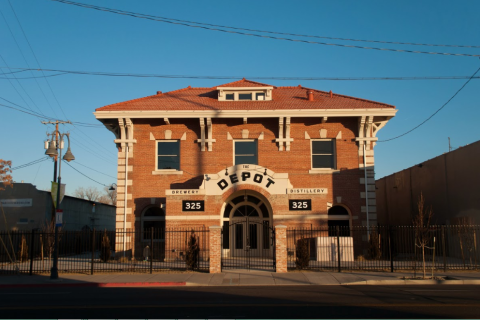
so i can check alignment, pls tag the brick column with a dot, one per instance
(215, 249)
(281, 248)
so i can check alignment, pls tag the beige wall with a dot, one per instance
(450, 183)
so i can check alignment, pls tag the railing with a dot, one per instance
(88, 252)
(384, 248)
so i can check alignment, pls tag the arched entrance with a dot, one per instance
(248, 238)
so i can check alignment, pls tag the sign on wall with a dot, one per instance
(301, 204)
(16, 202)
(193, 205)
(307, 191)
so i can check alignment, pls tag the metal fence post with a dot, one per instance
(93, 251)
(444, 250)
(32, 244)
(151, 250)
(390, 247)
(338, 249)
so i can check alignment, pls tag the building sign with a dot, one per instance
(301, 204)
(193, 205)
(245, 174)
(307, 191)
(184, 192)
(16, 202)
(252, 178)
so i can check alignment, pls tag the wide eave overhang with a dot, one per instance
(275, 113)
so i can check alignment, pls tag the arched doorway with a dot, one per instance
(338, 216)
(247, 233)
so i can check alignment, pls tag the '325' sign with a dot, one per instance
(302, 204)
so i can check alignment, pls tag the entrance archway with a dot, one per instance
(248, 238)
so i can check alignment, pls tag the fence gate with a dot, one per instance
(248, 243)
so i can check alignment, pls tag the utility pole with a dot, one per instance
(449, 146)
(56, 122)
(55, 158)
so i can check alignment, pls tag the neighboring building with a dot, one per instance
(200, 157)
(28, 208)
(450, 184)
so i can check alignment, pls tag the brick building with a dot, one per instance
(201, 157)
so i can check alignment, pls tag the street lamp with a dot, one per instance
(112, 188)
(52, 152)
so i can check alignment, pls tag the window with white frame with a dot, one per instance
(245, 152)
(168, 155)
(323, 154)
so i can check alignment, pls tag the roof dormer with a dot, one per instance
(244, 93)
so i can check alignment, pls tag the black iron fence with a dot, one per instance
(384, 248)
(145, 250)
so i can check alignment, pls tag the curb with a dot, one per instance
(94, 285)
(412, 282)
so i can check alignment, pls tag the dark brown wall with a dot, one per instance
(450, 183)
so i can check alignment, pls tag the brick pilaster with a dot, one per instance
(281, 248)
(215, 249)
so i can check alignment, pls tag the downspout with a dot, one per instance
(366, 185)
(125, 202)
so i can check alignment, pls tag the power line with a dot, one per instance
(38, 63)
(31, 163)
(83, 174)
(33, 77)
(206, 27)
(30, 113)
(205, 77)
(438, 110)
(24, 59)
(96, 170)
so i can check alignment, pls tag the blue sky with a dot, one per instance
(71, 38)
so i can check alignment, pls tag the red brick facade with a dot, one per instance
(283, 126)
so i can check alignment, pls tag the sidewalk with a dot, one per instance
(233, 278)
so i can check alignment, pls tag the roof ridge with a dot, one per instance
(244, 80)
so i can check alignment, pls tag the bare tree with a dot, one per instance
(109, 197)
(421, 223)
(466, 237)
(90, 193)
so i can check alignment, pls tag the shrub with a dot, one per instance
(191, 258)
(374, 246)
(105, 248)
(23, 252)
(303, 256)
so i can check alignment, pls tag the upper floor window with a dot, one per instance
(246, 152)
(244, 96)
(168, 155)
(260, 96)
(230, 96)
(323, 154)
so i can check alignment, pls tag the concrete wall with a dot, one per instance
(450, 183)
(27, 208)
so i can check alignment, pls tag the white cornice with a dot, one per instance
(294, 113)
(243, 88)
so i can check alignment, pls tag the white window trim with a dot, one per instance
(323, 170)
(166, 171)
(244, 140)
(252, 91)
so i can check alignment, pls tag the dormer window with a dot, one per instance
(245, 96)
(245, 93)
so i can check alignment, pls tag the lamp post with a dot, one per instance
(52, 152)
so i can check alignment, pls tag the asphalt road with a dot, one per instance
(293, 302)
